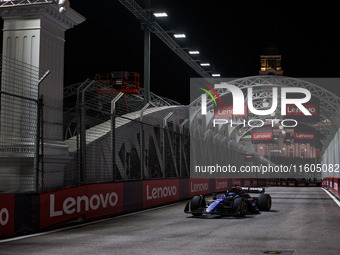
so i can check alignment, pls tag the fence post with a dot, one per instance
(181, 128)
(113, 134)
(39, 160)
(142, 142)
(165, 124)
(81, 129)
(40, 135)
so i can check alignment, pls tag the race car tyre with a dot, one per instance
(264, 202)
(240, 206)
(196, 203)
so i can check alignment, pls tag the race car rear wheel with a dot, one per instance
(264, 202)
(197, 202)
(240, 206)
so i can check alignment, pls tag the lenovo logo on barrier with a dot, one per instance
(262, 136)
(238, 100)
(156, 192)
(227, 111)
(293, 110)
(195, 187)
(4, 216)
(92, 201)
(7, 204)
(199, 186)
(304, 135)
(160, 192)
(221, 185)
(83, 203)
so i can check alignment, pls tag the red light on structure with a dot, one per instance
(126, 82)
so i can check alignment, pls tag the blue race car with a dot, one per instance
(236, 202)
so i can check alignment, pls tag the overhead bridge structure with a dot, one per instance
(262, 90)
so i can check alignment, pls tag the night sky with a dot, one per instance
(229, 34)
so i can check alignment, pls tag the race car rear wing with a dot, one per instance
(253, 190)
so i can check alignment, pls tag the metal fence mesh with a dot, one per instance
(140, 147)
(19, 126)
(110, 136)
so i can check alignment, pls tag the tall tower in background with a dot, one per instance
(271, 62)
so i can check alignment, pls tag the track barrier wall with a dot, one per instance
(7, 214)
(26, 213)
(332, 184)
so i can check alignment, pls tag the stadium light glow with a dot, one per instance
(205, 64)
(160, 14)
(179, 36)
(216, 75)
(194, 52)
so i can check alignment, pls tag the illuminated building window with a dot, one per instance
(303, 153)
(291, 153)
(271, 62)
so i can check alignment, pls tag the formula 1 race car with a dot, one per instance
(236, 202)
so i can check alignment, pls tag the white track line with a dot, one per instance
(86, 223)
(333, 197)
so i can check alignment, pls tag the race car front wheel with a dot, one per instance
(197, 202)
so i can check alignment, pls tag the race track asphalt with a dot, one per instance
(302, 221)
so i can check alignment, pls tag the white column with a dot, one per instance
(35, 35)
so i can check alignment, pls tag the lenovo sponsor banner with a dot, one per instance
(261, 182)
(330, 184)
(304, 137)
(226, 112)
(247, 182)
(7, 214)
(158, 192)
(291, 184)
(90, 201)
(254, 182)
(248, 157)
(293, 112)
(221, 184)
(199, 186)
(262, 135)
(304, 134)
(336, 186)
(104, 199)
(236, 181)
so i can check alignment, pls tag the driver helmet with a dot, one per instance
(236, 189)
